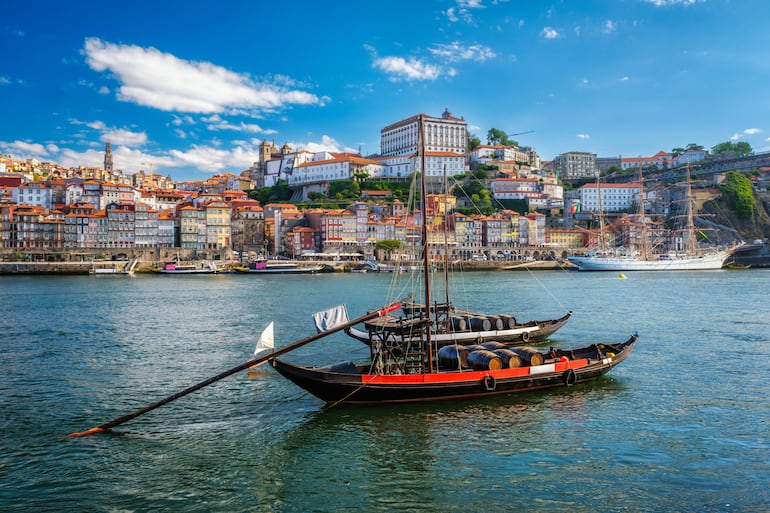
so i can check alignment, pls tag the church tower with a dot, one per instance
(108, 157)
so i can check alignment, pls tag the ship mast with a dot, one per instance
(602, 229)
(642, 217)
(425, 263)
(691, 241)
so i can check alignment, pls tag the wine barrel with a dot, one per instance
(496, 322)
(484, 360)
(453, 356)
(492, 345)
(509, 358)
(474, 347)
(478, 323)
(458, 324)
(529, 355)
(509, 322)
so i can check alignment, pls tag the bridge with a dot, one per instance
(701, 170)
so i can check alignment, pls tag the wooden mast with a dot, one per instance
(425, 262)
(642, 217)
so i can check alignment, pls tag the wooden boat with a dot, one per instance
(407, 363)
(398, 381)
(692, 258)
(460, 327)
(454, 326)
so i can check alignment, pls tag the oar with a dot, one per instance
(245, 365)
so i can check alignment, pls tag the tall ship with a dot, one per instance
(641, 258)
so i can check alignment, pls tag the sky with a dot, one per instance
(193, 87)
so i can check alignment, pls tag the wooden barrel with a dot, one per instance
(478, 323)
(453, 356)
(492, 345)
(509, 358)
(529, 355)
(484, 360)
(509, 322)
(458, 324)
(496, 322)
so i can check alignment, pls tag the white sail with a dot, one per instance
(265, 341)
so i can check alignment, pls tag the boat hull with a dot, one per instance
(526, 333)
(707, 262)
(346, 383)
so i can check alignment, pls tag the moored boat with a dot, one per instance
(265, 267)
(176, 268)
(380, 382)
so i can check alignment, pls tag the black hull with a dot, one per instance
(523, 334)
(345, 383)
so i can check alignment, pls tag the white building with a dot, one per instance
(614, 197)
(35, 194)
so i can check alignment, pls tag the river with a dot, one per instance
(682, 425)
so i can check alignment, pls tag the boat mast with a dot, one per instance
(425, 263)
(642, 216)
(691, 242)
(445, 199)
(602, 230)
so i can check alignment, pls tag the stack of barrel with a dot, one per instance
(487, 356)
(472, 322)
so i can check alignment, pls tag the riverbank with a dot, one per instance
(123, 266)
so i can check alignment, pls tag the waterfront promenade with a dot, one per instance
(139, 266)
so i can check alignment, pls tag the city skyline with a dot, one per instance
(193, 88)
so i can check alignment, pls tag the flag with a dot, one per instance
(575, 208)
(265, 340)
(328, 319)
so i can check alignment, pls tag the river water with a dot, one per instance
(681, 426)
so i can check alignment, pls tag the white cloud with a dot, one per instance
(121, 136)
(752, 131)
(216, 123)
(549, 33)
(583, 136)
(664, 3)
(23, 150)
(412, 69)
(117, 136)
(609, 27)
(456, 51)
(624, 79)
(735, 137)
(163, 81)
(327, 143)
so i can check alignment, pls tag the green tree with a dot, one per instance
(473, 142)
(495, 136)
(739, 194)
(740, 148)
(388, 244)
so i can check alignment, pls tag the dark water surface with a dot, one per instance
(681, 426)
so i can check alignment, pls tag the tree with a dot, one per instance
(495, 136)
(677, 151)
(739, 194)
(740, 149)
(388, 244)
(473, 142)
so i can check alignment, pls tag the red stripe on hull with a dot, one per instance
(459, 377)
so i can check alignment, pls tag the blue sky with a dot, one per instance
(193, 86)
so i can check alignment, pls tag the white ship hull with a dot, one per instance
(705, 262)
